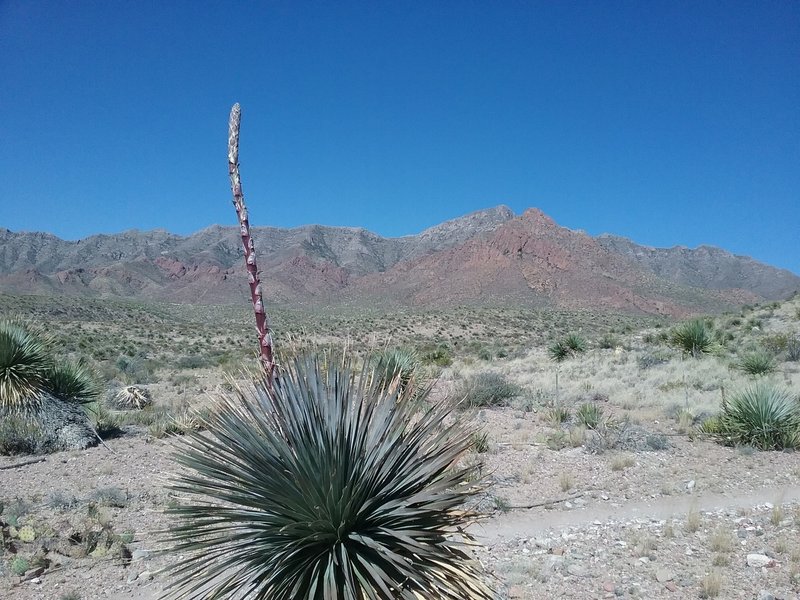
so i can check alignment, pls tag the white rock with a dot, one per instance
(758, 560)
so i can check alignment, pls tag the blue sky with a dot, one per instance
(667, 122)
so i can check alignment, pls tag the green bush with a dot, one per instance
(608, 342)
(327, 486)
(757, 363)
(590, 415)
(761, 415)
(558, 415)
(441, 355)
(693, 337)
(24, 364)
(484, 353)
(395, 364)
(487, 388)
(568, 346)
(575, 343)
(27, 369)
(793, 348)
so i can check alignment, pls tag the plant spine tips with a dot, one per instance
(262, 321)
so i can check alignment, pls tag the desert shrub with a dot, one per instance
(646, 361)
(775, 343)
(193, 361)
(793, 348)
(693, 337)
(558, 415)
(608, 342)
(135, 369)
(24, 364)
(113, 497)
(484, 353)
(106, 423)
(570, 345)
(327, 486)
(758, 362)
(761, 415)
(130, 397)
(441, 355)
(18, 435)
(590, 415)
(487, 388)
(393, 364)
(61, 501)
(480, 442)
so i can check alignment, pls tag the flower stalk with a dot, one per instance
(265, 343)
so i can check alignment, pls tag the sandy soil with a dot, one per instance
(646, 524)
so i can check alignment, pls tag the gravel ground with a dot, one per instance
(691, 520)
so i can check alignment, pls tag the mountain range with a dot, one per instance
(490, 257)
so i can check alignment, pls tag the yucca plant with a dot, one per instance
(756, 363)
(558, 351)
(325, 485)
(590, 415)
(27, 370)
(575, 343)
(762, 415)
(693, 337)
(570, 345)
(396, 363)
(558, 415)
(72, 382)
(24, 363)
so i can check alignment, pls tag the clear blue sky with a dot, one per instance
(667, 122)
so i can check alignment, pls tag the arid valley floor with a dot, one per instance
(639, 503)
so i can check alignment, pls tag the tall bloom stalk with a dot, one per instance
(265, 343)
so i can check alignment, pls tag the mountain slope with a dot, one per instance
(487, 257)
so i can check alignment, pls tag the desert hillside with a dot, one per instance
(488, 258)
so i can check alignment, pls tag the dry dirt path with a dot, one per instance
(535, 522)
(539, 522)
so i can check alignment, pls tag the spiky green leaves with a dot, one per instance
(331, 486)
(570, 345)
(72, 382)
(762, 415)
(756, 363)
(396, 363)
(693, 337)
(27, 369)
(23, 365)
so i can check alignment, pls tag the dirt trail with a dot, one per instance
(536, 522)
(531, 523)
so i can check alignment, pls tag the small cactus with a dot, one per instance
(27, 533)
(19, 565)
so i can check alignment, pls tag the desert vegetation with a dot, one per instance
(628, 414)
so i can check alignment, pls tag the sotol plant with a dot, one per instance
(693, 337)
(759, 362)
(325, 485)
(567, 347)
(27, 370)
(396, 364)
(761, 415)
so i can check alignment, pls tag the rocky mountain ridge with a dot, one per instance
(487, 257)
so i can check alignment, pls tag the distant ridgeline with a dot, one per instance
(487, 258)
